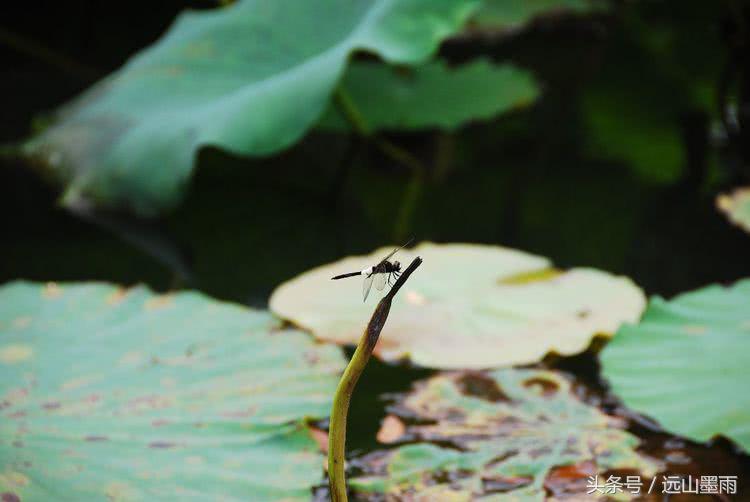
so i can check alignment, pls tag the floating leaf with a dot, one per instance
(687, 363)
(515, 13)
(432, 95)
(126, 395)
(250, 78)
(471, 306)
(737, 207)
(507, 433)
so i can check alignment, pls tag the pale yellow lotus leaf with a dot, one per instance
(736, 206)
(467, 306)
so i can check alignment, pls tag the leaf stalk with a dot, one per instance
(345, 389)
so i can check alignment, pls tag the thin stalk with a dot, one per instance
(356, 120)
(408, 205)
(359, 124)
(337, 425)
(351, 113)
(47, 55)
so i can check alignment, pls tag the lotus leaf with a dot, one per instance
(251, 77)
(736, 206)
(107, 393)
(432, 95)
(471, 306)
(506, 435)
(687, 363)
(516, 13)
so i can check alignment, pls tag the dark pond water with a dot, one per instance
(616, 167)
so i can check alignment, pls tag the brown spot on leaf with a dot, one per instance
(694, 329)
(311, 357)
(14, 479)
(77, 383)
(17, 414)
(161, 444)
(569, 479)
(583, 314)
(10, 497)
(501, 458)
(52, 290)
(16, 353)
(93, 398)
(158, 302)
(17, 394)
(117, 296)
(51, 405)
(95, 439)
(539, 452)
(160, 422)
(547, 387)
(150, 402)
(117, 490)
(249, 412)
(500, 484)
(391, 430)
(321, 438)
(479, 385)
(17, 444)
(21, 322)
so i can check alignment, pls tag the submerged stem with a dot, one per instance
(337, 426)
(357, 121)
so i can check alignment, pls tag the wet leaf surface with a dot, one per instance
(126, 395)
(471, 306)
(539, 439)
(687, 363)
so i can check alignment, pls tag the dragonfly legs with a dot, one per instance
(393, 274)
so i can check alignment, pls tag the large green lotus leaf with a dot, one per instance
(736, 206)
(516, 13)
(687, 364)
(126, 395)
(432, 95)
(508, 434)
(470, 306)
(251, 78)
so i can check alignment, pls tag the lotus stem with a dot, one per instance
(337, 425)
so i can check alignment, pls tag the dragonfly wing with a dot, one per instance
(394, 251)
(380, 281)
(366, 285)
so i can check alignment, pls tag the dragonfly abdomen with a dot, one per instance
(344, 276)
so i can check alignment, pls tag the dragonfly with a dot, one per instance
(380, 274)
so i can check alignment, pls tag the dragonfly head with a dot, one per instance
(397, 266)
